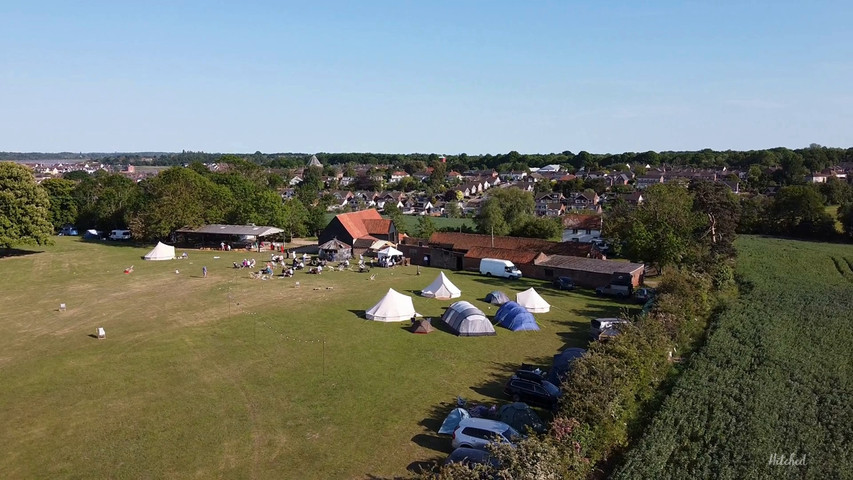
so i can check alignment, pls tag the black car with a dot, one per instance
(564, 283)
(542, 393)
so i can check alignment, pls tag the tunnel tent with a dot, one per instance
(514, 317)
(466, 320)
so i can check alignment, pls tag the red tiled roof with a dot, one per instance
(467, 241)
(354, 222)
(582, 222)
(380, 226)
(518, 257)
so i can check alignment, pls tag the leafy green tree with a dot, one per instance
(798, 210)
(316, 221)
(63, 208)
(393, 212)
(845, 216)
(426, 227)
(722, 211)
(179, 197)
(453, 210)
(660, 231)
(539, 227)
(24, 208)
(294, 220)
(76, 175)
(836, 191)
(106, 201)
(504, 210)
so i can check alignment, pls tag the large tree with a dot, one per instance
(63, 208)
(179, 197)
(504, 210)
(660, 231)
(24, 208)
(798, 210)
(106, 201)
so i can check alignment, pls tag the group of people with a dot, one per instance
(246, 263)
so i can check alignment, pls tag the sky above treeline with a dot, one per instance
(432, 77)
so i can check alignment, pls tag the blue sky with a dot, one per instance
(433, 77)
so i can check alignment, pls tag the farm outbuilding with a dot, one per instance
(335, 250)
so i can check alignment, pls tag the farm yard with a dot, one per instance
(233, 377)
(773, 379)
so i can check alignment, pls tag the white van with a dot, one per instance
(120, 235)
(499, 268)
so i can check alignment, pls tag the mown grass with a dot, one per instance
(775, 376)
(230, 377)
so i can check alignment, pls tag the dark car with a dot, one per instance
(541, 393)
(564, 283)
(643, 295)
(471, 456)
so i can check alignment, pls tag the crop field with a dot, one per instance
(233, 377)
(773, 382)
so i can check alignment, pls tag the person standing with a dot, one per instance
(204, 272)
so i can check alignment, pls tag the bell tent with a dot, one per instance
(466, 320)
(394, 307)
(497, 298)
(515, 317)
(161, 252)
(423, 325)
(441, 288)
(531, 300)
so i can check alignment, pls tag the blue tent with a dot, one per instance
(562, 364)
(513, 316)
(452, 421)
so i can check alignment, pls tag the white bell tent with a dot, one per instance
(394, 307)
(531, 301)
(441, 288)
(161, 252)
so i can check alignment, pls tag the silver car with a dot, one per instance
(479, 432)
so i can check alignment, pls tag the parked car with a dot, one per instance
(479, 432)
(69, 230)
(564, 283)
(643, 295)
(619, 291)
(471, 456)
(602, 328)
(533, 392)
(120, 235)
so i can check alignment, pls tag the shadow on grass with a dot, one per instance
(92, 335)
(361, 314)
(17, 252)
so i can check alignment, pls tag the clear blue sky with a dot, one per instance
(424, 76)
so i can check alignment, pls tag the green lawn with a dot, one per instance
(231, 377)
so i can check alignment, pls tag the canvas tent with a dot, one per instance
(563, 364)
(497, 297)
(531, 300)
(394, 307)
(441, 288)
(389, 252)
(161, 252)
(515, 317)
(423, 325)
(466, 320)
(335, 250)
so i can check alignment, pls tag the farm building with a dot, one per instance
(536, 258)
(364, 226)
(212, 236)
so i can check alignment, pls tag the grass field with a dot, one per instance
(775, 377)
(231, 377)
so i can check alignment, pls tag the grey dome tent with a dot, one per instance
(497, 297)
(466, 320)
(515, 317)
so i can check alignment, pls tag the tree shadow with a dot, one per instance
(17, 252)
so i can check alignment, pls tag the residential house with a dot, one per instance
(543, 200)
(398, 175)
(581, 228)
(583, 201)
(645, 181)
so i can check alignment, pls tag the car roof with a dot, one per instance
(483, 423)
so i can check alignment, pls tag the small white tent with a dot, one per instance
(389, 252)
(161, 252)
(441, 288)
(532, 302)
(394, 307)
